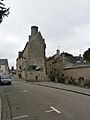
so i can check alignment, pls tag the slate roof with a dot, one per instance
(3, 62)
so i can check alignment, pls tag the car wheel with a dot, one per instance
(9, 83)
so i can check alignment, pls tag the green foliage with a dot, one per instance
(86, 55)
(66, 54)
(12, 68)
(56, 74)
(61, 78)
(52, 75)
(3, 11)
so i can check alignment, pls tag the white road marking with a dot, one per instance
(19, 117)
(53, 110)
(8, 93)
(49, 111)
(23, 91)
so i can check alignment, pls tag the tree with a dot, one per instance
(12, 68)
(66, 54)
(3, 11)
(86, 55)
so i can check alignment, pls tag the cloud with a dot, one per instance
(64, 23)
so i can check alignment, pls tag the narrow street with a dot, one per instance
(32, 102)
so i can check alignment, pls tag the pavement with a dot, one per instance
(4, 106)
(0, 108)
(70, 88)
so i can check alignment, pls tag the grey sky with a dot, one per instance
(64, 23)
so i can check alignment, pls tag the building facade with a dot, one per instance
(54, 66)
(4, 68)
(68, 69)
(31, 61)
(78, 74)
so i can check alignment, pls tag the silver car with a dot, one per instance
(5, 79)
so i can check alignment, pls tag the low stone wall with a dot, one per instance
(78, 76)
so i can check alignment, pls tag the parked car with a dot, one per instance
(5, 79)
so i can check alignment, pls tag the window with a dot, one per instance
(39, 68)
(32, 67)
(35, 68)
(20, 67)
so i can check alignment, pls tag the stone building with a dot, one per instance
(76, 70)
(54, 66)
(19, 65)
(4, 68)
(78, 74)
(69, 69)
(31, 61)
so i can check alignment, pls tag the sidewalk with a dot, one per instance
(4, 106)
(61, 86)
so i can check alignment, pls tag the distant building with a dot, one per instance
(4, 68)
(69, 69)
(78, 74)
(54, 66)
(30, 64)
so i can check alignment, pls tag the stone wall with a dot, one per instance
(78, 75)
(78, 72)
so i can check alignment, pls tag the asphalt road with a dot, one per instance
(32, 102)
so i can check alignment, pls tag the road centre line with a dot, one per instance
(19, 117)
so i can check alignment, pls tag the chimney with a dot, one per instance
(20, 54)
(34, 30)
(29, 37)
(58, 52)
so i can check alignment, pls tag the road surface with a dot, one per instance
(32, 102)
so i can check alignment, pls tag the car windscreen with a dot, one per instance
(5, 77)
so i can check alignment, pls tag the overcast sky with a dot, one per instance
(64, 24)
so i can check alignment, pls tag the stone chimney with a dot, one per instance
(20, 54)
(58, 52)
(29, 37)
(34, 30)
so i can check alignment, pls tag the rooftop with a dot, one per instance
(3, 61)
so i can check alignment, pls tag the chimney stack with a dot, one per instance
(20, 54)
(34, 30)
(58, 52)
